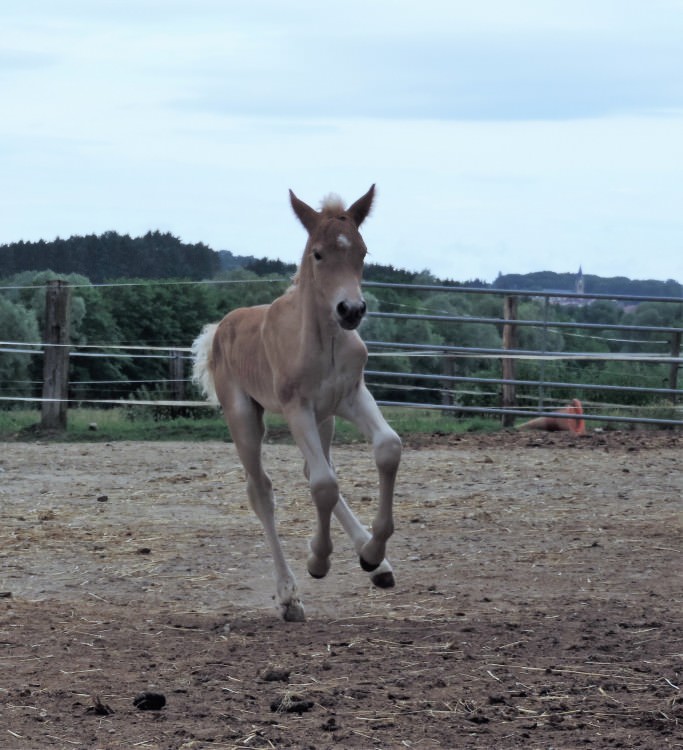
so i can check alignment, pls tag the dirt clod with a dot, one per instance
(149, 701)
(291, 704)
(276, 674)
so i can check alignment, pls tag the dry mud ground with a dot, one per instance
(538, 599)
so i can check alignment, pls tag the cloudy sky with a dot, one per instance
(503, 136)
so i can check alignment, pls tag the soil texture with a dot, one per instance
(538, 601)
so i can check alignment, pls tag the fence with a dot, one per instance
(434, 382)
(509, 356)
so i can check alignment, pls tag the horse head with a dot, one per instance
(332, 263)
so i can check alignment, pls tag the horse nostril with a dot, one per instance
(351, 313)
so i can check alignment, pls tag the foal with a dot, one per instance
(302, 357)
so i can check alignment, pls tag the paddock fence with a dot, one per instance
(655, 350)
(623, 373)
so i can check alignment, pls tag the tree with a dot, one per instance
(17, 324)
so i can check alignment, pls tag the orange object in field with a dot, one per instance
(553, 423)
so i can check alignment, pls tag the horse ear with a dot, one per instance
(308, 216)
(359, 210)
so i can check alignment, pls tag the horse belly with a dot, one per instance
(242, 357)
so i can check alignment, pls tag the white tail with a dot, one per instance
(201, 367)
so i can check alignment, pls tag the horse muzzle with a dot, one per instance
(350, 314)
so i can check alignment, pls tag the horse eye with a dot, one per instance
(317, 255)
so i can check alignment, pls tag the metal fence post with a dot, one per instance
(177, 374)
(509, 342)
(448, 369)
(673, 370)
(544, 347)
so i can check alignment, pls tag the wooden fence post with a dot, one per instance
(509, 342)
(56, 356)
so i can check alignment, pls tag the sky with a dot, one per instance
(503, 137)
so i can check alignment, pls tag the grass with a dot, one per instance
(106, 425)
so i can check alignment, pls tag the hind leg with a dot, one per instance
(382, 576)
(245, 419)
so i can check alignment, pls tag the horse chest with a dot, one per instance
(334, 388)
(340, 379)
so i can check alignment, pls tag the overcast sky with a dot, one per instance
(503, 136)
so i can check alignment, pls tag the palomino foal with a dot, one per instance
(302, 357)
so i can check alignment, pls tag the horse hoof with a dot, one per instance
(293, 612)
(318, 568)
(368, 567)
(384, 580)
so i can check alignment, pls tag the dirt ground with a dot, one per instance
(538, 601)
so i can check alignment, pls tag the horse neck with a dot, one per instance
(315, 325)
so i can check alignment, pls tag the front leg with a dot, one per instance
(382, 576)
(362, 411)
(323, 484)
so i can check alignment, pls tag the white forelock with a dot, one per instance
(332, 202)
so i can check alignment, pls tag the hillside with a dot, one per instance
(567, 282)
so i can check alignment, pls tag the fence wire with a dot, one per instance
(440, 389)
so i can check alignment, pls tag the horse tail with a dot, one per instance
(202, 366)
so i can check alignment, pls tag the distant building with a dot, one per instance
(579, 284)
(558, 296)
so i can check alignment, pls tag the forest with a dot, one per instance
(111, 255)
(118, 304)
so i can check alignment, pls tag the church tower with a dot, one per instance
(579, 283)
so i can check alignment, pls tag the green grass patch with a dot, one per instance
(107, 425)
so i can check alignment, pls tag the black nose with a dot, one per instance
(351, 313)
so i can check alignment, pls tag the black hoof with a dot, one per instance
(384, 580)
(317, 576)
(368, 567)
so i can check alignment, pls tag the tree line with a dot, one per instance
(159, 255)
(170, 314)
(619, 285)
(109, 256)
